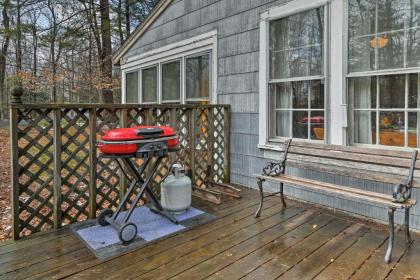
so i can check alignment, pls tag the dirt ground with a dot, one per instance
(5, 207)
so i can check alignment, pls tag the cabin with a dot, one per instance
(313, 100)
(333, 72)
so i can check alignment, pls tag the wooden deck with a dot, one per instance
(302, 242)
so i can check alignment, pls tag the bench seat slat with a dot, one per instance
(380, 160)
(365, 167)
(373, 197)
(351, 172)
(354, 149)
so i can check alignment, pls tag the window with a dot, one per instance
(383, 61)
(132, 91)
(197, 72)
(149, 85)
(181, 72)
(171, 81)
(296, 75)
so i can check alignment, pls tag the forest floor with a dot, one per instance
(5, 206)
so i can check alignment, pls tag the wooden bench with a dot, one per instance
(399, 168)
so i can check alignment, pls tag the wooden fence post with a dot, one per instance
(210, 144)
(14, 172)
(226, 167)
(92, 163)
(123, 179)
(57, 167)
(192, 115)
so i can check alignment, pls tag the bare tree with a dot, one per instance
(5, 31)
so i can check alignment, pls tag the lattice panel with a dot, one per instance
(219, 144)
(35, 159)
(182, 127)
(75, 165)
(136, 116)
(202, 147)
(108, 178)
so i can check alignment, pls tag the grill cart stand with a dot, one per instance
(148, 148)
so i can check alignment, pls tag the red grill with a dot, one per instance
(123, 144)
(136, 141)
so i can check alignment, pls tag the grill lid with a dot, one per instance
(138, 132)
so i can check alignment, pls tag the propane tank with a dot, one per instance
(176, 190)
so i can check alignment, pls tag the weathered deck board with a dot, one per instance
(344, 266)
(302, 242)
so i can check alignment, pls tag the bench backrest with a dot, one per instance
(388, 166)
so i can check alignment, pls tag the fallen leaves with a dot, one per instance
(5, 206)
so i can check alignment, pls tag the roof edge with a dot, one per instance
(139, 31)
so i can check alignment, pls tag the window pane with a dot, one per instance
(361, 17)
(317, 94)
(283, 124)
(149, 84)
(413, 91)
(300, 124)
(395, 14)
(198, 77)
(361, 55)
(392, 91)
(390, 50)
(171, 81)
(391, 129)
(296, 45)
(413, 47)
(317, 125)
(412, 129)
(363, 91)
(300, 95)
(283, 95)
(364, 127)
(132, 87)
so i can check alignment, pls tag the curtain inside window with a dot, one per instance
(363, 98)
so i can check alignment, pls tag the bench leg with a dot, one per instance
(282, 196)
(388, 254)
(408, 239)
(260, 186)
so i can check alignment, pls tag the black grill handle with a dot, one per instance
(149, 132)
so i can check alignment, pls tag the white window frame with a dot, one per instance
(334, 69)
(196, 46)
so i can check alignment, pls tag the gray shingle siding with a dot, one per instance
(237, 25)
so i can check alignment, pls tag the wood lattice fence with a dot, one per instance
(58, 177)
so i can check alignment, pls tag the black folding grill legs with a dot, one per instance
(127, 231)
(388, 255)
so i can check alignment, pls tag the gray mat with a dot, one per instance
(104, 241)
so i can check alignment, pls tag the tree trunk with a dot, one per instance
(127, 19)
(119, 22)
(106, 59)
(35, 60)
(18, 37)
(3, 55)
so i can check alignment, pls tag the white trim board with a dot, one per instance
(203, 41)
(291, 8)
